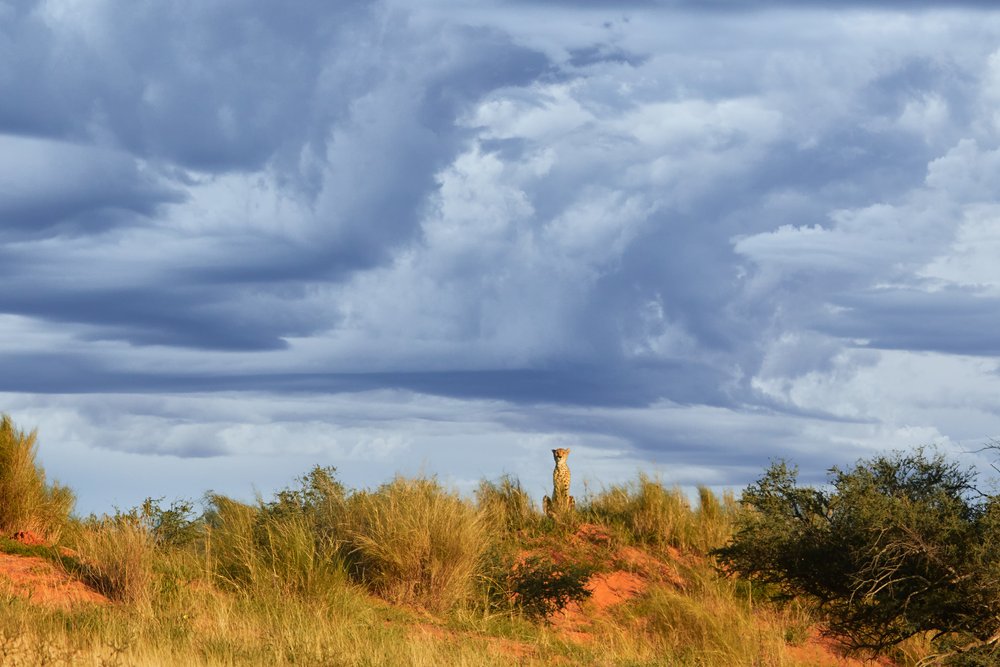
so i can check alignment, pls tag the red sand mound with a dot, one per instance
(42, 582)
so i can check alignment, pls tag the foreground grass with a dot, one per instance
(307, 579)
(262, 590)
(217, 629)
(410, 573)
(204, 626)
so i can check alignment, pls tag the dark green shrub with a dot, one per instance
(896, 546)
(540, 587)
(176, 525)
(318, 491)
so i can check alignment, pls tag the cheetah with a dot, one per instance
(560, 500)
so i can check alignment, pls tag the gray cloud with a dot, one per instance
(673, 236)
(49, 187)
(759, 5)
(350, 130)
(950, 321)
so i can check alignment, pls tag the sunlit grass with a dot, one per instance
(27, 501)
(409, 573)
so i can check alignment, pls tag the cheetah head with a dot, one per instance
(560, 454)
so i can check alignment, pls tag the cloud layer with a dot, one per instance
(684, 235)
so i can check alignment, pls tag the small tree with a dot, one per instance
(897, 546)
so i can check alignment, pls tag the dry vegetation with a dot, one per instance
(410, 573)
(26, 501)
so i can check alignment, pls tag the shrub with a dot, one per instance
(320, 499)
(541, 588)
(116, 558)
(173, 526)
(897, 546)
(26, 501)
(412, 541)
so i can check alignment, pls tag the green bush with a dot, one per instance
(318, 498)
(540, 587)
(173, 526)
(895, 547)
(27, 502)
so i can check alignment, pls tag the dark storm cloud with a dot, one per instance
(952, 320)
(370, 99)
(49, 187)
(625, 385)
(635, 386)
(210, 86)
(658, 234)
(603, 53)
(194, 317)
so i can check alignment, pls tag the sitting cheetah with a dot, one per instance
(560, 500)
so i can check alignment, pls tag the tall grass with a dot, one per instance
(708, 624)
(27, 502)
(413, 542)
(116, 558)
(646, 512)
(506, 506)
(257, 551)
(714, 519)
(204, 627)
(282, 581)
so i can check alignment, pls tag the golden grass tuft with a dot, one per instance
(707, 624)
(258, 552)
(116, 558)
(645, 512)
(507, 506)
(27, 502)
(414, 542)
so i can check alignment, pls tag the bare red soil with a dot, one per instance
(639, 570)
(41, 581)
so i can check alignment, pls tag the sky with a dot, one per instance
(240, 238)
